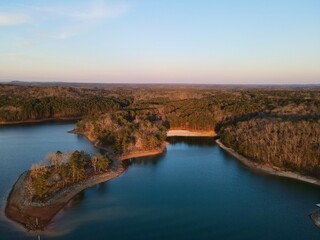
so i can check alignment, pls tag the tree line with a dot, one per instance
(125, 131)
(61, 169)
(22, 109)
(287, 144)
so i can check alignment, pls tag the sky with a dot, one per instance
(161, 41)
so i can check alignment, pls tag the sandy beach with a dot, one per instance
(144, 153)
(189, 133)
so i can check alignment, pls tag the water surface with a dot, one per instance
(193, 191)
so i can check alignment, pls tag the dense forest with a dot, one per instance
(61, 169)
(271, 125)
(25, 104)
(125, 131)
(292, 145)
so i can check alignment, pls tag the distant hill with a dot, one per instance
(165, 86)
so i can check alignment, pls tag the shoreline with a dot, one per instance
(40, 120)
(148, 153)
(132, 154)
(190, 133)
(35, 216)
(268, 170)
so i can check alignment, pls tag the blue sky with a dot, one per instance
(163, 41)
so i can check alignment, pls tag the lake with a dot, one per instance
(194, 190)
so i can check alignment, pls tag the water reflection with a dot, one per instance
(151, 160)
(102, 188)
(77, 199)
(39, 124)
(192, 141)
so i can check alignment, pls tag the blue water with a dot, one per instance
(193, 191)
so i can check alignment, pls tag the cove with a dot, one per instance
(193, 191)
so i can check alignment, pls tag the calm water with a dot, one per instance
(193, 191)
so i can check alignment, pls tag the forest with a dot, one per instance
(125, 131)
(21, 103)
(278, 126)
(62, 169)
(117, 133)
(291, 145)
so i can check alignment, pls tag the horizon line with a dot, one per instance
(159, 83)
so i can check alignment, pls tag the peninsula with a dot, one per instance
(47, 187)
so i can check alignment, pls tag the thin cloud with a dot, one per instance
(76, 21)
(99, 9)
(68, 31)
(7, 19)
